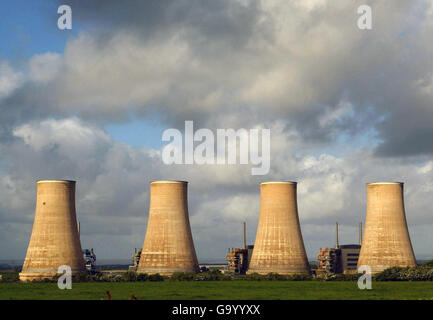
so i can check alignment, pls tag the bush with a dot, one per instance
(405, 274)
(117, 278)
(124, 277)
(213, 275)
(278, 277)
(183, 276)
(428, 264)
(390, 274)
(10, 277)
(328, 276)
(97, 277)
(105, 277)
(346, 277)
(81, 277)
(129, 276)
(155, 277)
(300, 277)
(142, 277)
(254, 277)
(274, 277)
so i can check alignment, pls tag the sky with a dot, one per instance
(344, 107)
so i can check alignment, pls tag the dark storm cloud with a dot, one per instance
(22, 106)
(208, 20)
(408, 129)
(228, 53)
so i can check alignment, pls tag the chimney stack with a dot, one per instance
(279, 246)
(168, 246)
(244, 235)
(386, 241)
(55, 239)
(337, 245)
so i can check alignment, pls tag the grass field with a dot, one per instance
(203, 290)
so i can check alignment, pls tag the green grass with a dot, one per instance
(203, 290)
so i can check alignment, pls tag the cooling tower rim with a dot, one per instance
(56, 181)
(279, 182)
(380, 183)
(168, 181)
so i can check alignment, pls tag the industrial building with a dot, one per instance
(89, 257)
(328, 261)
(135, 259)
(238, 259)
(349, 257)
(168, 245)
(279, 247)
(386, 240)
(341, 258)
(55, 238)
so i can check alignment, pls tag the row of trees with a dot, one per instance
(422, 273)
(419, 273)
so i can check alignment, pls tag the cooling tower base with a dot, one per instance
(28, 275)
(279, 246)
(165, 271)
(284, 271)
(55, 240)
(386, 241)
(168, 246)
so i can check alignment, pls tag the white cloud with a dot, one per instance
(113, 188)
(10, 80)
(45, 67)
(426, 168)
(69, 135)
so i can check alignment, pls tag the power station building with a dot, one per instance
(279, 247)
(386, 241)
(341, 258)
(238, 259)
(55, 240)
(168, 245)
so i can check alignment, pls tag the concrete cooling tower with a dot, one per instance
(168, 246)
(54, 241)
(386, 242)
(279, 246)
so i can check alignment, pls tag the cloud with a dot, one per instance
(243, 62)
(68, 134)
(344, 106)
(113, 189)
(45, 67)
(10, 80)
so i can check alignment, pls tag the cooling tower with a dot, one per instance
(168, 246)
(54, 240)
(279, 246)
(386, 242)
